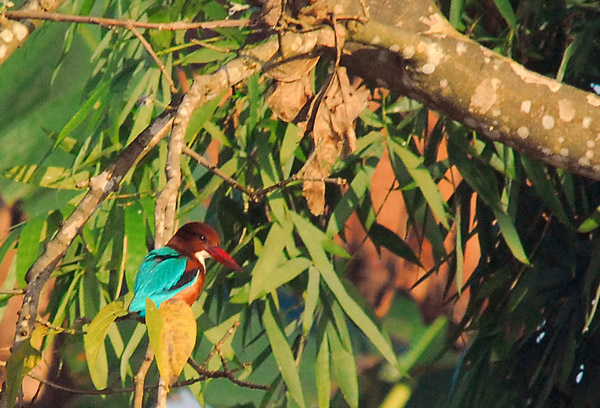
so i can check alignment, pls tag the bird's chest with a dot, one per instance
(190, 293)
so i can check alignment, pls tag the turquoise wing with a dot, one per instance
(159, 278)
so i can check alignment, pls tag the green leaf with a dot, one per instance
(270, 256)
(347, 205)
(93, 341)
(291, 140)
(135, 241)
(382, 236)
(132, 345)
(28, 246)
(88, 106)
(546, 191)
(422, 176)
(312, 236)
(23, 359)
(505, 8)
(397, 397)
(200, 117)
(344, 367)
(311, 299)
(479, 177)
(322, 374)
(417, 349)
(282, 352)
(202, 56)
(456, 10)
(47, 176)
(281, 274)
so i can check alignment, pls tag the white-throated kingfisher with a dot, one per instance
(177, 270)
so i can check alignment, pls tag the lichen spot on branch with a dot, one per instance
(485, 96)
(566, 111)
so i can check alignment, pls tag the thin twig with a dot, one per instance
(109, 390)
(256, 195)
(140, 377)
(157, 60)
(59, 329)
(12, 292)
(220, 343)
(227, 374)
(113, 22)
(213, 169)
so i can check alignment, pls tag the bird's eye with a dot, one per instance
(202, 238)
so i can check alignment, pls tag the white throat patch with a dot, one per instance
(201, 256)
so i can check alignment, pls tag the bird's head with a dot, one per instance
(196, 239)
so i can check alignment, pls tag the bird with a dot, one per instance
(177, 270)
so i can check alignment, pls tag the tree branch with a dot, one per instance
(428, 60)
(13, 33)
(113, 22)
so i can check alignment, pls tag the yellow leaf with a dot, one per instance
(172, 333)
(179, 335)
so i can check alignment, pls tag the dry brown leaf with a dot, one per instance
(270, 12)
(333, 135)
(287, 99)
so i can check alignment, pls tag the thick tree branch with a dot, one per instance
(419, 54)
(14, 33)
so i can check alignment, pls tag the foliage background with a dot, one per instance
(78, 94)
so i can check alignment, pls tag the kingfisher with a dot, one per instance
(177, 270)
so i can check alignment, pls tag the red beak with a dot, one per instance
(222, 257)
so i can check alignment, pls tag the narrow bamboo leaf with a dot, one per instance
(214, 333)
(143, 115)
(507, 12)
(28, 246)
(344, 367)
(134, 341)
(138, 83)
(456, 10)
(202, 56)
(178, 336)
(459, 251)
(200, 117)
(83, 112)
(282, 352)
(347, 205)
(322, 374)
(93, 341)
(23, 359)
(397, 397)
(217, 133)
(282, 274)
(409, 359)
(135, 242)
(269, 174)
(476, 176)
(114, 335)
(510, 234)
(546, 191)
(312, 236)
(590, 223)
(310, 300)
(270, 256)
(382, 236)
(47, 176)
(424, 180)
(291, 140)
